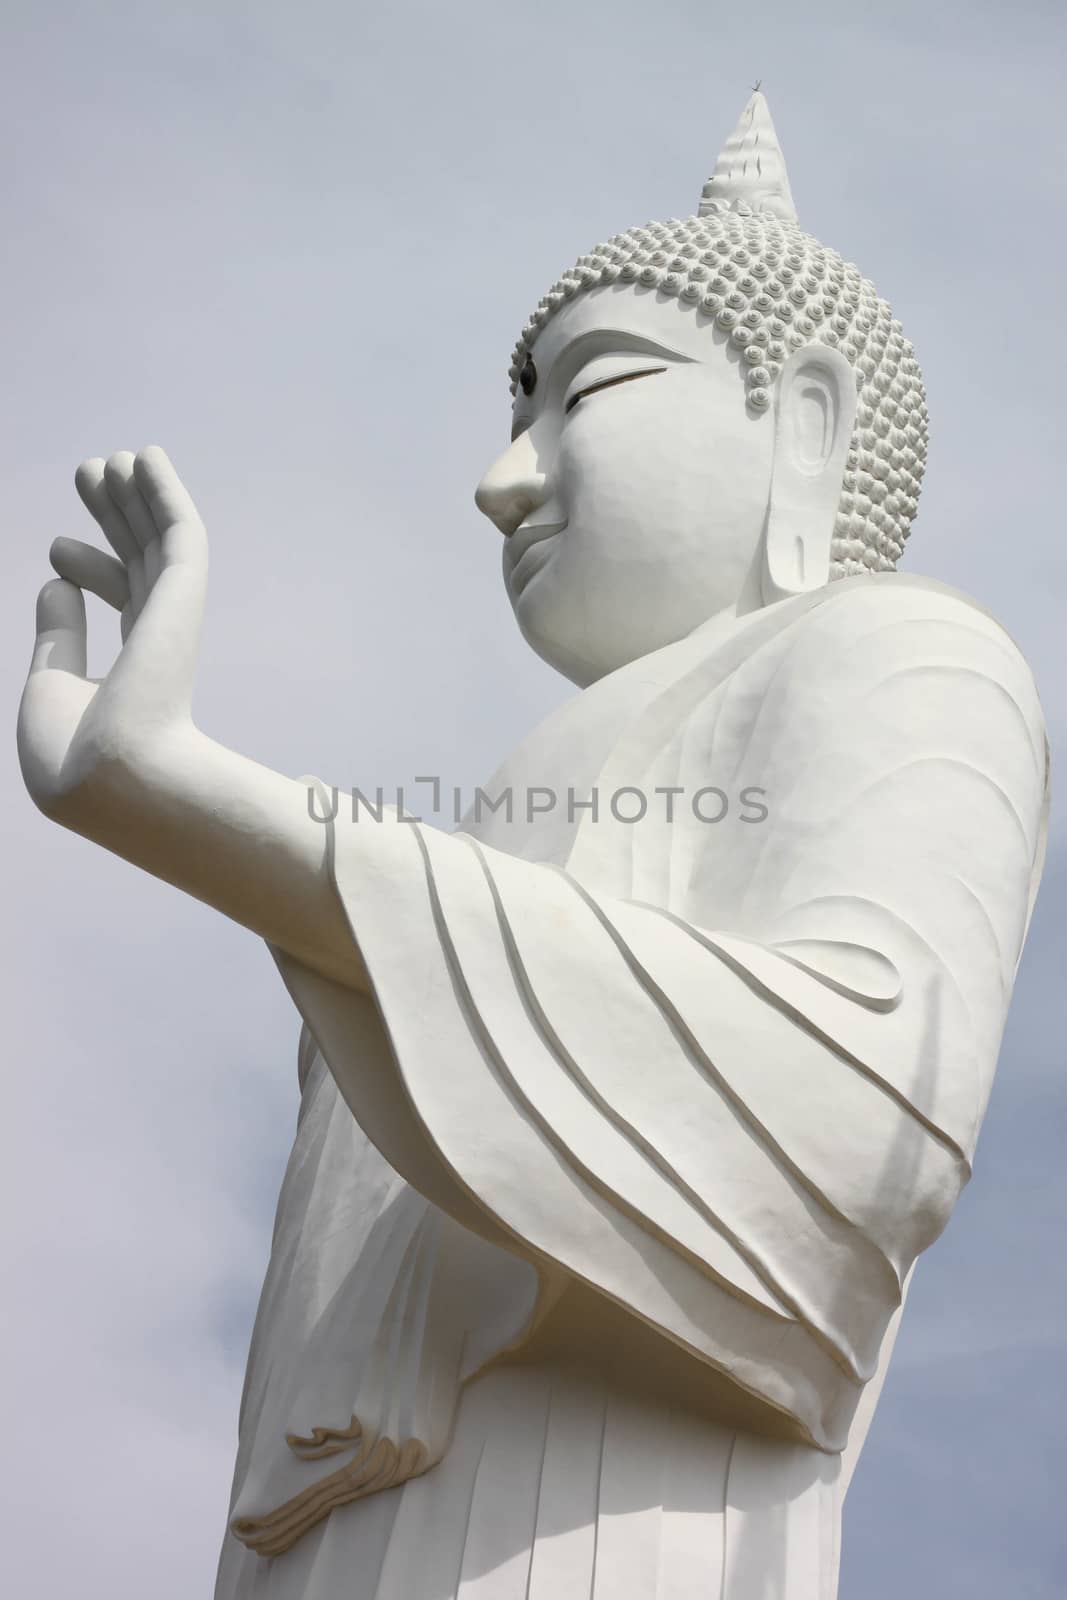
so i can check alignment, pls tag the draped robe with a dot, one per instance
(671, 1104)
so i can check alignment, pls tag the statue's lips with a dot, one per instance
(524, 540)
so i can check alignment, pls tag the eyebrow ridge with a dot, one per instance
(609, 383)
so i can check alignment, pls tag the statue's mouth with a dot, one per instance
(524, 555)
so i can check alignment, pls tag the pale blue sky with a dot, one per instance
(294, 244)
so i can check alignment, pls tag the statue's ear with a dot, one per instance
(814, 415)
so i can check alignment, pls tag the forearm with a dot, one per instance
(229, 832)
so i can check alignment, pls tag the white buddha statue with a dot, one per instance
(624, 1119)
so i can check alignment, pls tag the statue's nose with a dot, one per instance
(513, 487)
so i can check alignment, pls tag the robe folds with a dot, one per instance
(726, 1076)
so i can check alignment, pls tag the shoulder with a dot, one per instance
(893, 621)
(908, 667)
(887, 599)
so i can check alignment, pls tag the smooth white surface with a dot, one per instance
(125, 765)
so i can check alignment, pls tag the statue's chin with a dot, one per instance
(587, 643)
(585, 650)
(574, 660)
(588, 614)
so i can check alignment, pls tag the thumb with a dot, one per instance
(60, 642)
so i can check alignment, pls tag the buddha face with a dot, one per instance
(634, 493)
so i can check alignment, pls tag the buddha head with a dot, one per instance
(708, 413)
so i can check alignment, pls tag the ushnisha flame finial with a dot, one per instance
(751, 167)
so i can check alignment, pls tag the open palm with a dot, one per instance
(70, 726)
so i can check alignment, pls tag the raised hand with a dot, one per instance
(71, 728)
(121, 761)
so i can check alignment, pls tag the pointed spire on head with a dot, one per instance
(751, 167)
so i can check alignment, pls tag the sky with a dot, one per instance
(295, 245)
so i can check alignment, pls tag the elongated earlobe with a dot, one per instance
(814, 417)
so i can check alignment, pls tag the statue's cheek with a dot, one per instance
(603, 472)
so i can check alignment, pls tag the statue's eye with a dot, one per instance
(609, 383)
(528, 376)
